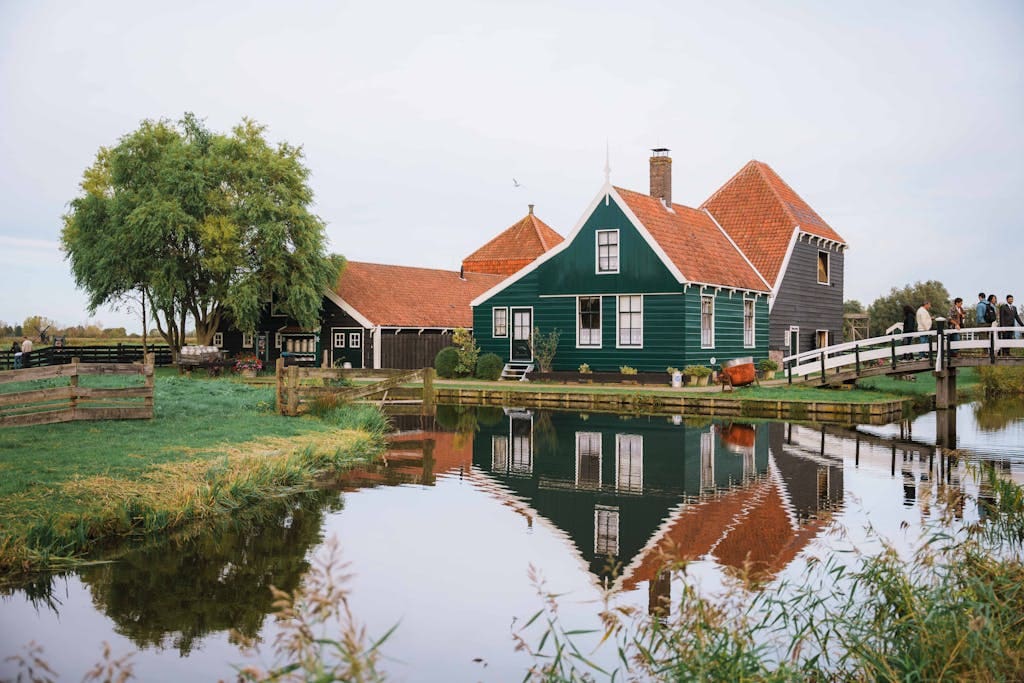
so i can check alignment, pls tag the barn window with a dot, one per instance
(629, 463)
(588, 318)
(606, 530)
(277, 340)
(707, 322)
(339, 340)
(607, 251)
(631, 321)
(218, 339)
(247, 340)
(355, 340)
(499, 322)
(588, 460)
(823, 269)
(748, 323)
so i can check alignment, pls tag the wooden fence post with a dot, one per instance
(74, 386)
(428, 388)
(149, 363)
(293, 390)
(279, 374)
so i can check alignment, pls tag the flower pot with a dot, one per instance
(703, 380)
(248, 372)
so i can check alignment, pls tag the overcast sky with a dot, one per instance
(900, 123)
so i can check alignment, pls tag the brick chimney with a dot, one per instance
(661, 174)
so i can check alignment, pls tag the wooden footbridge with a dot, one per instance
(942, 351)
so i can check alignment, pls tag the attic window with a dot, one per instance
(607, 251)
(823, 268)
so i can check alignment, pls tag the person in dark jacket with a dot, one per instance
(1008, 317)
(909, 325)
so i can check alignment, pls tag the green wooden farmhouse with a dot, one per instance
(639, 282)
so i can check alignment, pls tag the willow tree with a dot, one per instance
(202, 225)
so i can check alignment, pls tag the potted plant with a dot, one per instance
(698, 375)
(248, 365)
(768, 367)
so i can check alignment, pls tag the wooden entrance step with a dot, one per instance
(517, 371)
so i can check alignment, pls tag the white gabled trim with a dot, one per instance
(651, 242)
(607, 192)
(547, 255)
(345, 306)
(737, 248)
(785, 264)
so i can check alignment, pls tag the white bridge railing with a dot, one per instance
(893, 349)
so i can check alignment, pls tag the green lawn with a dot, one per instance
(213, 444)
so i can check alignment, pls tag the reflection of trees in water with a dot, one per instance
(995, 414)
(214, 581)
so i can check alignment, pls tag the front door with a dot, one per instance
(794, 340)
(347, 346)
(522, 328)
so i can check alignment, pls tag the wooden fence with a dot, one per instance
(73, 402)
(298, 386)
(112, 353)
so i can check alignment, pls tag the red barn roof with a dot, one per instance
(760, 212)
(513, 248)
(697, 247)
(401, 296)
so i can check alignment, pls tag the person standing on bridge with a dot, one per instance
(909, 326)
(956, 320)
(1008, 317)
(924, 322)
(979, 310)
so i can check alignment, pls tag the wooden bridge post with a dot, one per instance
(856, 358)
(892, 343)
(945, 389)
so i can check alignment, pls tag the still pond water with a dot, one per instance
(441, 536)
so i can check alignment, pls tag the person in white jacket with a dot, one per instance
(924, 322)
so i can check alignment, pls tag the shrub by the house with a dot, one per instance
(489, 366)
(446, 361)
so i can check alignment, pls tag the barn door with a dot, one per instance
(522, 328)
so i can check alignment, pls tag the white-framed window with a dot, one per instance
(247, 340)
(629, 463)
(588, 322)
(630, 327)
(588, 460)
(522, 446)
(499, 453)
(749, 338)
(218, 339)
(707, 322)
(606, 530)
(355, 340)
(278, 341)
(707, 460)
(607, 251)
(338, 340)
(824, 272)
(499, 322)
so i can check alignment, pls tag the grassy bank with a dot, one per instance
(213, 447)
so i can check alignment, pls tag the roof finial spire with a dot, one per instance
(607, 163)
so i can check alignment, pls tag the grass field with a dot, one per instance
(214, 445)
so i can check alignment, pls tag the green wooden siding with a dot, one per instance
(671, 312)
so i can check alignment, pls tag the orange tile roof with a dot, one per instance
(692, 241)
(513, 248)
(401, 296)
(737, 527)
(759, 211)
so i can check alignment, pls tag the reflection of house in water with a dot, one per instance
(634, 490)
